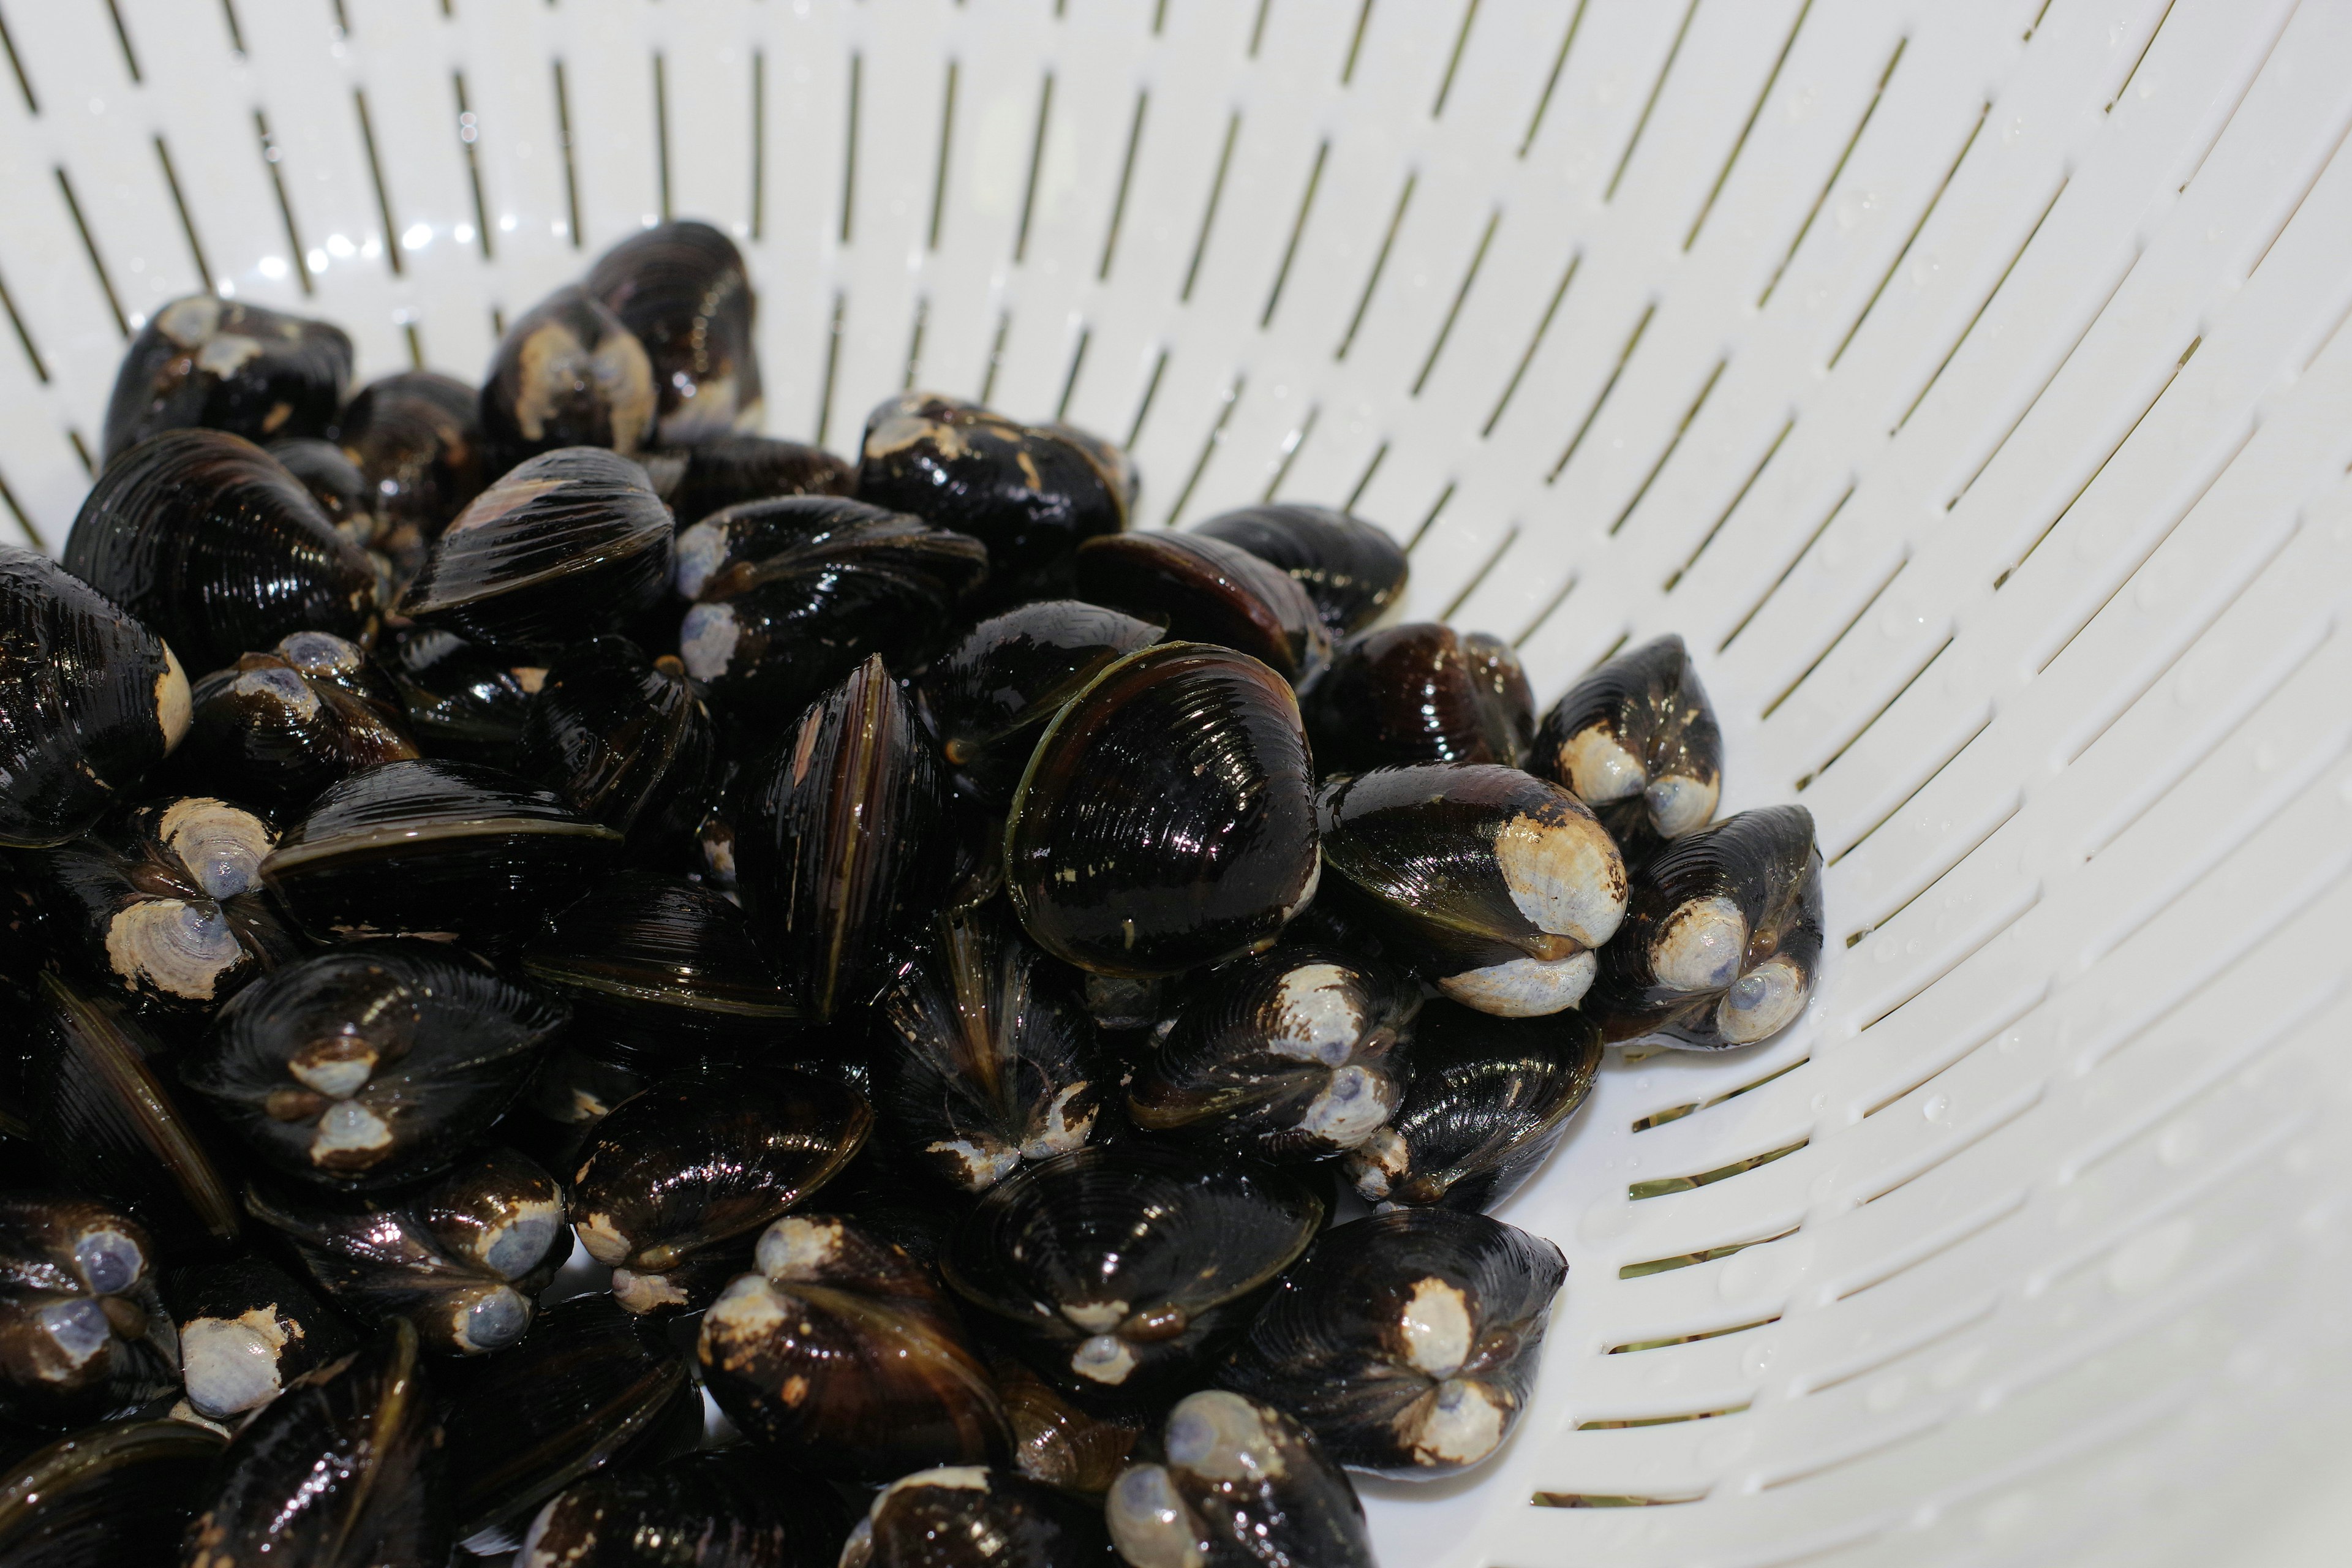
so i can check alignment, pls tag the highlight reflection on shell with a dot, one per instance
(1239, 1483)
(227, 365)
(1637, 740)
(83, 1335)
(682, 290)
(1351, 570)
(1420, 693)
(1205, 590)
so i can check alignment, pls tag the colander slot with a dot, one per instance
(1144, 405)
(24, 82)
(832, 364)
(2000, 921)
(1216, 193)
(1789, 690)
(1550, 605)
(1510, 537)
(1609, 1499)
(1127, 177)
(1070, 382)
(1290, 445)
(81, 451)
(1945, 364)
(1820, 198)
(1982, 725)
(1543, 325)
(1705, 1255)
(1661, 1420)
(122, 36)
(24, 335)
(1934, 1332)
(1912, 238)
(1939, 1153)
(1632, 341)
(1445, 328)
(1673, 443)
(939, 169)
(759, 152)
(24, 519)
(1738, 496)
(187, 222)
(661, 132)
(1651, 103)
(915, 341)
(1452, 61)
(1972, 1041)
(1363, 481)
(1677, 1112)
(1209, 445)
(1692, 1339)
(1661, 1186)
(1794, 562)
(1297, 227)
(1805, 780)
(1559, 64)
(1355, 43)
(236, 33)
(2246, 86)
(97, 263)
(1372, 278)
(996, 359)
(849, 146)
(1257, 27)
(563, 140)
(2138, 60)
(392, 246)
(1036, 160)
(1747, 125)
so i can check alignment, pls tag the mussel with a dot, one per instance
(274, 729)
(1241, 1485)
(1494, 883)
(1723, 937)
(1351, 569)
(1030, 493)
(89, 700)
(83, 1332)
(790, 596)
(371, 1065)
(336, 483)
(209, 541)
(1118, 1270)
(1485, 1100)
(714, 472)
(247, 1330)
(464, 702)
(120, 1492)
(1055, 1441)
(734, 1509)
(682, 290)
(227, 365)
(416, 438)
(567, 374)
(842, 1353)
(1637, 740)
(1283, 1056)
(988, 1058)
(968, 1513)
(1205, 590)
(432, 848)
(346, 1467)
(1166, 819)
(570, 543)
(1420, 693)
(677, 1178)
(621, 737)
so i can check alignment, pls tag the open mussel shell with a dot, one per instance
(968, 1513)
(711, 473)
(118, 1493)
(1496, 883)
(1420, 693)
(247, 1330)
(682, 290)
(1238, 1484)
(698, 1160)
(227, 366)
(1031, 494)
(842, 831)
(844, 1355)
(789, 595)
(621, 737)
(567, 374)
(464, 702)
(1118, 1270)
(1285, 1057)
(371, 1065)
(588, 1386)
(274, 729)
(1723, 939)
(210, 542)
(1351, 570)
(734, 1509)
(1166, 818)
(1205, 590)
(83, 1332)
(439, 850)
(988, 1056)
(164, 904)
(416, 438)
(1637, 740)
(89, 702)
(1406, 1342)
(1484, 1101)
(570, 543)
(346, 1466)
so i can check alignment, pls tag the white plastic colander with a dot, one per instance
(1964, 379)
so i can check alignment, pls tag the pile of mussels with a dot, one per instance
(948, 958)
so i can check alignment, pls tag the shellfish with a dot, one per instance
(1637, 740)
(1351, 569)
(227, 366)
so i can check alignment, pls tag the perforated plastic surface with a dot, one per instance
(1966, 382)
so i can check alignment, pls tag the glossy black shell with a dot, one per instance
(83, 1333)
(567, 374)
(958, 1515)
(1637, 740)
(712, 473)
(621, 737)
(682, 290)
(463, 701)
(1351, 569)
(116, 1493)
(1420, 693)
(735, 1508)
(227, 365)
(1238, 1484)
(417, 437)
(274, 729)
(248, 1329)
(1205, 590)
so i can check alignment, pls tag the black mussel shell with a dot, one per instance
(1121, 1270)
(664, 973)
(1723, 938)
(463, 701)
(1496, 883)
(1205, 590)
(24, 951)
(790, 596)
(346, 1467)
(89, 700)
(621, 737)
(274, 729)
(588, 1386)
(1239, 1485)
(730, 1509)
(1031, 494)
(1419, 693)
(700, 1160)
(208, 540)
(844, 1354)
(247, 1330)
(569, 544)
(1406, 1342)
(83, 1332)
(681, 289)
(1352, 570)
(988, 1056)
(1484, 1100)
(991, 693)
(965, 1513)
(712, 473)
(1127, 1002)
(228, 366)
(843, 834)
(431, 848)
(567, 374)
(371, 1065)
(164, 904)
(416, 438)
(1637, 740)
(342, 491)
(1055, 1441)
(1166, 819)
(120, 1493)
(1285, 1056)
(461, 1260)
(107, 1126)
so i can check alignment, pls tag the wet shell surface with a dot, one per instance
(336, 483)
(1420, 693)
(83, 1333)
(711, 473)
(416, 438)
(1352, 570)
(274, 729)
(621, 737)
(1056, 1442)
(1406, 1342)
(682, 290)
(567, 374)
(1205, 590)
(247, 1330)
(1166, 818)
(1239, 1485)
(227, 365)
(120, 1492)
(961, 1515)
(1637, 740)
(735, 1508)
(464, 702)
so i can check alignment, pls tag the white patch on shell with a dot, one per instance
(491, 1321)
(1702, 947)
(982, 1164)
(1461, 1425)
(1219, 1436)
(798, 1248)
(227, 353)
(221, 846)
(1437, 1327)
(1565, 875)
(515, 1245)
(747, 1308)
(1679, 803)
(603, 1240)
(1599, 768)
(706, 640)
(644, 1292)
(78, 1328)
(278, 684)
(1060, 1134)
(1317, 1017)
(952, 1477)
(1379, 1162)
(230, 1364)
(1761, 1003)
(1523, 987)
(174, 704)
(1096, 1317)
(338, 1073)
(701, 551)
(1148, 1521)
(1353, 1106)
(189, 321)
(176, 948)
(1103, 1358)
(349, 1127)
